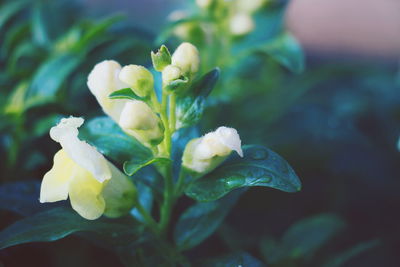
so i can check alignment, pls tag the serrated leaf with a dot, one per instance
(190, 107)
(202, 219)
(110, 140)
(125, 93)
(58, 223)
(260, 166)
(134, 165)
(287, 51)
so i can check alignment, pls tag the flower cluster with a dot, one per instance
(127, 95)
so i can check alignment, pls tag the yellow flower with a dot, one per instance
(93, 184)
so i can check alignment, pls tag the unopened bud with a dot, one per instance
(241, 24)
(204, 3)
(138, 78)
(204, 154)
(161, 59)
(171, 73)
(249, 6)
(138, 120)
(187, 58)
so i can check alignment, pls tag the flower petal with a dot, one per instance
(83, 154)
(102, 81)
(85, 194)
(55, 183)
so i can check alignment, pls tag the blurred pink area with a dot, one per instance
(361, 27)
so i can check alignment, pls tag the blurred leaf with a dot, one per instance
(134, 165)
(95, 32)
(43, 125)
(168, 31)
(190, 108)
(303, 238)
(14, 36)
(16, 103)
(202, 219)
(10, 9)
(22, 197)
(110, 140)
(242, 259)
(25, 49)
(39, 30)
(269, 24)
(146, 198)
(287, 51)
(58, 223)
(260, 166)
(342, 258)
(50, 76)
(126, 93)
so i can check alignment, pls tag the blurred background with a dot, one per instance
(327, 100)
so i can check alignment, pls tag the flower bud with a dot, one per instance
(138, 120)
(204, 3)
(171, 73)
(138, 78)
(102, 81)
(241, 24)
(186, 57)
(161, 59)
(204, 154)
(249, 6)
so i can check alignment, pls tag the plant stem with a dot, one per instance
(168, 200)
(164, 119)
(179, 184)
(147, 217)
(172, 113)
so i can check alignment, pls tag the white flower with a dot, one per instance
(204, 154)
(138, 120)
(102, 81)
(139, 79)
(93, 184)
(171, 73)
(241, 23)
(187, 58)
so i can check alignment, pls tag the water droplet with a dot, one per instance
(259, 154)
(234, 182)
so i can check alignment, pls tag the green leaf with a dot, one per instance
(202, 219)
(22, 198)
(126, 93)
(10, 9)
(342, 258)
(39, 28)
(190, 108)
(42, 126)
(13, 37)
(243, 259)
(95, 32)
(287, 51)
(260, 166)
(134, 165)
(304, 238)
(50, 76)
(110, 140)
(58, 223)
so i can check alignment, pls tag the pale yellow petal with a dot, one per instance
(85, 194)
(55, 183)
